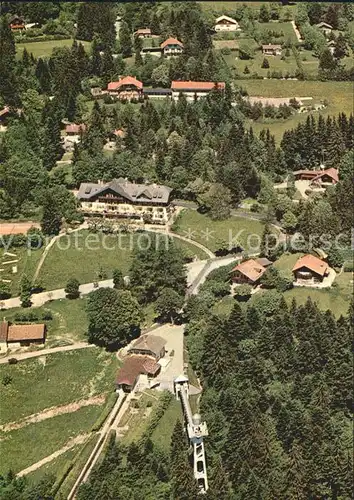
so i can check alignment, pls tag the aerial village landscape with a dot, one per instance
(176, 250)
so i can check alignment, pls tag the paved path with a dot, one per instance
(112, 422)
(49, 246)
(43, 352)
(183, 238)
(297, 32)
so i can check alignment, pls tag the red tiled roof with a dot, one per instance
(128, 80)
(171, 41)
(17, 333)
(331, 172)
(143, 31)
(312, 263)
(313, 173)
(189, 85)
(74, 128)
(119, 133)
(4, 326)
(251, 269)
(134, 366)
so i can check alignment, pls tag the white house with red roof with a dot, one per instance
(226, 23)
(126, 88)
(194, 90)
(171, 47)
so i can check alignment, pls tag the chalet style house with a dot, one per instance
(194, 90)
(149, 345)
(142, 360)
(250, 271)
(126, 88)
(271, 50)
(17, 23)
(143, 33)
(123, 199)
(310, 270)
(318, 178)
(15, 336)
(325, 28)
(226, 23)
(171, 47)
(75, 129)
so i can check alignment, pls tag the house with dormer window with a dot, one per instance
(126, 200)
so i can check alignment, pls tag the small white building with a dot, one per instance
(271, 50)
(194, 90)
(226, 23)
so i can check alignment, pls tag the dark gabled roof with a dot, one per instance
(128, 190)
(157, 91)
(151, 343)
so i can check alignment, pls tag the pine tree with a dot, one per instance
(125, 40)
(96, 59)
(25, 291)
(118, 281)
(51, 217)
(43, 75)
(52, 150)
(217, 356)
(8, 80)
(184, 486)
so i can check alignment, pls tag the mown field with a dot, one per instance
(201, 228)
(46, 383)
(336, 299)
(27, 263)
(53, 380)
(84, 255)
(45, 48)
(338, 94)
(68, 323)
(23, 447)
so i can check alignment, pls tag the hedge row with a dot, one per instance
(164, 403)
(349, 267)
(111, 401)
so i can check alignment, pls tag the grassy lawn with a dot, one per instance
(224, 306)
(254, 65)
(80, 459)
(69, 321)
(54, 467)
(193, 224)
(83, 254)
(336, 300)
(161, 437)
(23, 447)
(27, 264)
(284, 27)
(55, 379)
(137, 415)
(338, 94)
(286, 262)
(44, 49)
